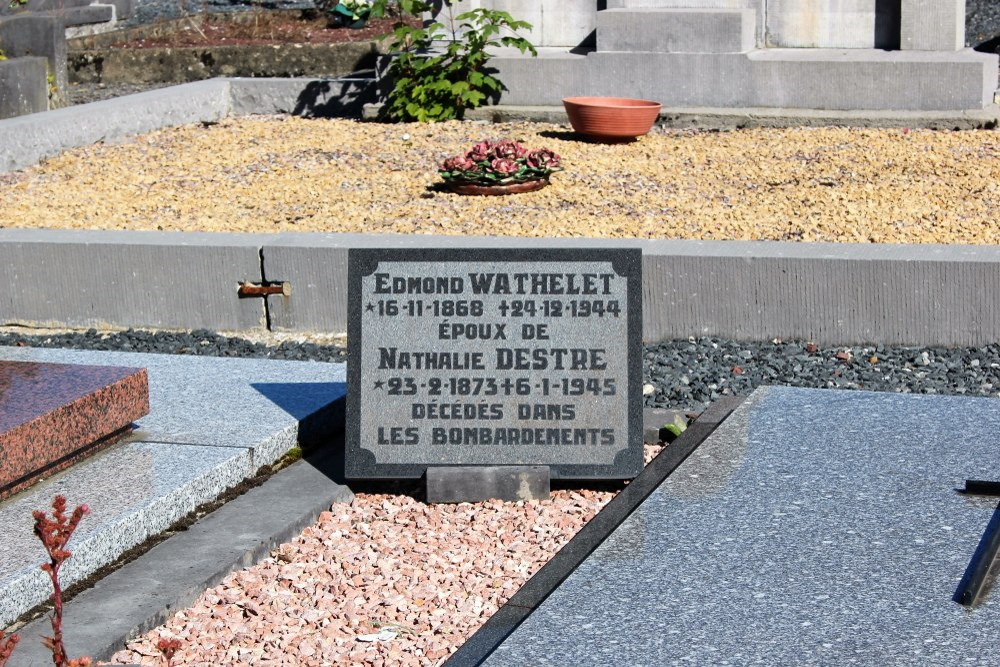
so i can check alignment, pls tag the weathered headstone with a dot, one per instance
(494, 357)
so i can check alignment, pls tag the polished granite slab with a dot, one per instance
(53, 415)
(813, 527)
(212, 423)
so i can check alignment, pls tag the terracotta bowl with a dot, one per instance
(611, 118)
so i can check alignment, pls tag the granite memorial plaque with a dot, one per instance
(494, 357)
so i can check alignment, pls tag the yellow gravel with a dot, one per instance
(280, 174)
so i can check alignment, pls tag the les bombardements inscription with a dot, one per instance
(494, 357)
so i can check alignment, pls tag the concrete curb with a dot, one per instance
(709, 118)
(26, 140)
(194, 284)
(745, 290)
(146, 592)
(195, 63)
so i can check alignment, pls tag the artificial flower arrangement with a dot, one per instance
(499, 163)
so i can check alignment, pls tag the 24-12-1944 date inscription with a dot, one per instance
(506, 308)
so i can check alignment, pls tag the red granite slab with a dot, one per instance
(52, 415)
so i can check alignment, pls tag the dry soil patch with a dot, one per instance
(257, 28)
(281, 174)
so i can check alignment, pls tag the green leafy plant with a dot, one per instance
(50, 79)
(3, 56)
(14, 4)
(672, 430)
(433, 82)
(499, 163)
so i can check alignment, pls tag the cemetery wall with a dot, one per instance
(828, 293)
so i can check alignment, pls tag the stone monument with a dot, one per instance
(902, 55)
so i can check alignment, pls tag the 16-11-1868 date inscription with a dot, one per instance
(513, 308)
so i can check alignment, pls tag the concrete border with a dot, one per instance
(148, 591)
(195, 63)
(825, 292)
(26, 140)
(715, 118)
(103, 278)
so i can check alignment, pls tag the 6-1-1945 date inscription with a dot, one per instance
(489, 386)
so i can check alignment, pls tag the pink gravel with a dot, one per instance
(384, 580)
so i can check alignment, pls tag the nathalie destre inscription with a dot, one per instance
(494, 357)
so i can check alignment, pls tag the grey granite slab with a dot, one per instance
(216, 401)
(133, 491)
(813, 527)
(212, 423)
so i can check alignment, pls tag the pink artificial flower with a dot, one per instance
(459, 163)
(508, 149)
(480, 151)
(543, 158)
(504, 166)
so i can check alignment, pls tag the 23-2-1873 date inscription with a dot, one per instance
(494, 357)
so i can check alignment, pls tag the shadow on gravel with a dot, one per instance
(569, 135)
(989, 46)
(415, 488)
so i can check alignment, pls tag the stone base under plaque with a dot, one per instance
(474, 484)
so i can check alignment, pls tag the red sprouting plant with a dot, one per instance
(7, 647)
(54, 534)
(167, 647)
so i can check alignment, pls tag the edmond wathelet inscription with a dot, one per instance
(494, 357)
